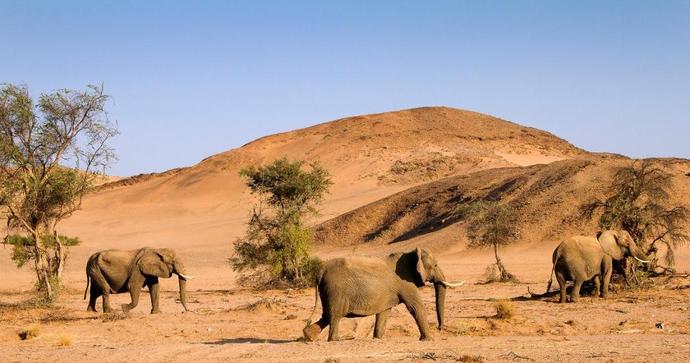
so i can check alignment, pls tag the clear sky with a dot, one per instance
(193, 78)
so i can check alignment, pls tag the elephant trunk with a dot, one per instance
(183, 292)
(440, 289)
(637, 253)
(440, 303)
(182, 278)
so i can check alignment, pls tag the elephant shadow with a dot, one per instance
(251, 341)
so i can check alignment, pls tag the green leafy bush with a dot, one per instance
(276, 249)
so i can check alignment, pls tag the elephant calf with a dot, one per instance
(582, 258)
(117, 271)
(360, 286)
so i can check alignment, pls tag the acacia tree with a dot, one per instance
(50, 155)
(491, 225)
(277, 245)
(639, 203)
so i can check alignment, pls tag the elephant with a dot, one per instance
(582, 258)
(363, 286)
(118, 271)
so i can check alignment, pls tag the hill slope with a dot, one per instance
(369, 156)
(547, 199)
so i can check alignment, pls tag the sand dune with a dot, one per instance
(201, 209)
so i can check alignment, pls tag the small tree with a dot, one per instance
(49, 155)
(639, 203)
(277, 244)
(490, 225)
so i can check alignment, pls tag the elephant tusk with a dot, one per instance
(186, 277)
(452, 285)
(643, 261)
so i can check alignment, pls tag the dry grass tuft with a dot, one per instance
(504, 310)
(263, 305)
(29, 333)
(64, 341)
(107, 317)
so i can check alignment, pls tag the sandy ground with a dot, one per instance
(235, 324)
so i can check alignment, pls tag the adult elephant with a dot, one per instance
(583, 258)
(117, 271)
(361, 286)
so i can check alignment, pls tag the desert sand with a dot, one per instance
(395, 176)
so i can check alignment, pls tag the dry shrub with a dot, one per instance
(29, 333)
(64, 341)
(504, 310)
(493, 274)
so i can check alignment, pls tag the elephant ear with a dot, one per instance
(153, 263)
(609, 242)
(421, 270)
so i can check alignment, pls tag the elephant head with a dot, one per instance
(163, 263)
(426, 270)
(619, 244)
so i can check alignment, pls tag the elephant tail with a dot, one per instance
(317, 282)
(555, 257)
(88, 279)
(316, 302)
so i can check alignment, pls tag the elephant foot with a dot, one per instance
(126, 308)
(91, 309)
(426, 338)
(311, 333)
(107, 310)
(155, 311)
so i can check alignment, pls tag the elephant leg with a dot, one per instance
(414, 305)
(154, 290)
(106, 302)
(606, 278)
(94, 293)
(597, 285)
(333, 330)
(575, 295)
(380, 325)
(312, 331)
(562, 283)
(134, 293)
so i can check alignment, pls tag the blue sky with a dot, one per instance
(190, 79)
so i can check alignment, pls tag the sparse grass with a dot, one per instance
(64, 340)
(466, 358)
(30, 332)
(449, 356)
(504, 310)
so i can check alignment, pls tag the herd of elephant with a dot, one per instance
(360, 286)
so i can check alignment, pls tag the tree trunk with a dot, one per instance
(504, 274)
(41, 265)
(59, 255)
